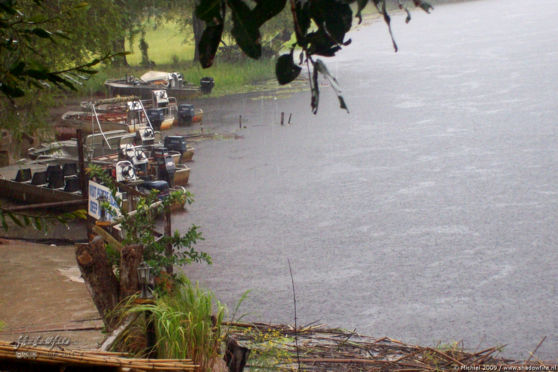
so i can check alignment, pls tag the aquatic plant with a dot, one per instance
(187, 323)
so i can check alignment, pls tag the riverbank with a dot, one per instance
(45, 302)
(428, 214)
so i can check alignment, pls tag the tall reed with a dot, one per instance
(187, 324)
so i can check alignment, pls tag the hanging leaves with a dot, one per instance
(404, 8)
(361, 4)
(39, 223)
(322, 69)
(315, 102)
(333, 17)
(424, 5)
(267, 9)
(381, 7)
(209, 43)
(246, 29)
(320, 27)
(19, 33)
(302, 21)
(285, 69)
(213, 13)
(210, 11)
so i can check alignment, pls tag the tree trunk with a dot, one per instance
(197, 25)
(130, 258)
(168, 232)
(119, 46)
(235, 355)
(99, 278)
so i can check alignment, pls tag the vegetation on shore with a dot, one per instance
(230, 78)
(187, 324)
(188, 320)
(169, 50)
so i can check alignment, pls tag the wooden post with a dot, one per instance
(130, 259)
(235, 355)
(290, 116)
(240, 121)
(151, 336)
(168, 232)
(108, 237)
(282, 118)
(84, 180)
(99, 278)
(81, 159)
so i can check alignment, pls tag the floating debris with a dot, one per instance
(325, 349)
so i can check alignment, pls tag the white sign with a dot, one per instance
(97, 194)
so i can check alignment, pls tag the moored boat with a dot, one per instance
(131, 116)
(53, 175)
(172, 82)
(34, 182)
(181, 175)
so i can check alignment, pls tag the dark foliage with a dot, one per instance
(320, 27)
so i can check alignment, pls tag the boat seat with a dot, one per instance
(72, 184)
(23, 175)
(56, 179)
(52, 169)
(69, 169)
(39, 178)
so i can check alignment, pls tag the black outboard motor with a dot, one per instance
(159, 185)
(165, 165)
(185, 114)
(176, 143)
(206, 84)
(156, 117)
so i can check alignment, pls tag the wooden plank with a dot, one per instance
(108, 237)
(109, 341)
(130, 190)
(133, 213)
(66, 203)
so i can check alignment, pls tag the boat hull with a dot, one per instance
(32, 194)
(182, 175)
(188, 155)
(120, 88)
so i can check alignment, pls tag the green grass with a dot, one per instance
(229, 77)
(187, 324)
(167, 45)
(233, 77)
(170, 51)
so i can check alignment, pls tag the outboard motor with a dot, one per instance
(160, 98)
(179, 80)
(165, 165)
(156, 117)
(125, 171)
(159, 185)
(176, 143)
(140, 162)
(137, 157)
(206, 84)
(146, 137)
(186, 114)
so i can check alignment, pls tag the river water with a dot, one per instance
(428, 214)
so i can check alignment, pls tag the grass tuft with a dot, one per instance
(187, 324)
